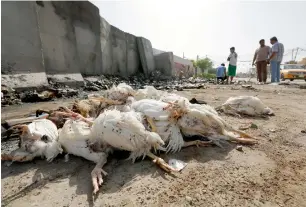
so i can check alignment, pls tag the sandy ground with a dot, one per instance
(272, 173)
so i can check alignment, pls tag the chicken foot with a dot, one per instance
(161, 163)
(72, 114)
(96, 173)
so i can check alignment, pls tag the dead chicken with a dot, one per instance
(93, 106)
(76, 138)
(115, 98)
(38, 139)
(173, 120)
(95, 139)
(245, 105)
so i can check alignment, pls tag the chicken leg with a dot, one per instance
(70, 113)
(243, 140)
(152, 124)
(198, 143)
(161, 163)
(96, 173)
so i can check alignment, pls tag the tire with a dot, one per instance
(282, 77)
(291, 79)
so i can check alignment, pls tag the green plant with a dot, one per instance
(204, 64)
(207, 75)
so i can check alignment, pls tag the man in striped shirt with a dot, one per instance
(275, 59)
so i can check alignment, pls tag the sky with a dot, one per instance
(209, 28)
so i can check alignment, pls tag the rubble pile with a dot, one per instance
(97, 83)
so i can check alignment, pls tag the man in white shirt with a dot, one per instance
(275, 59)
(232, 58)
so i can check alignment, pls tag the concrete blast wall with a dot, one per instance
(120, 55)
(106, 47)
(146, 55)
(21, 57)
(59, 42)
(64, 40)
(164, 63)
(86, 22)
(178, 64)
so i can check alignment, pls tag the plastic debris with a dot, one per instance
(177, 164)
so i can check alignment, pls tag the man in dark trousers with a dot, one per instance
(260, 58)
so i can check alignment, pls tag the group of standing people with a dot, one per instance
(263, 56)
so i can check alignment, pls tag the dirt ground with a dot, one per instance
(271, 173)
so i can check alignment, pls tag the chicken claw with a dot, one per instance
(96, 176)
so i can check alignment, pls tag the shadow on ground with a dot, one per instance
(120, 172)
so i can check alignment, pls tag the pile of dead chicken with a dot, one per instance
(137, 121)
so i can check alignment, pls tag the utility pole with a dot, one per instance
(297, 50)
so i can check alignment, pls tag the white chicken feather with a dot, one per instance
(120, 92)
(123, 130)
(169, 131)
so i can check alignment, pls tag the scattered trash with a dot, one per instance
(302, 86)
(272, 130)
(177, 164)
(195, 101)
(67, 93)
(248, 126)
(249, 87)
(284, 83)
(33, 96)
(245, 127)
(253, 126)
(239, 148)
(99, 83)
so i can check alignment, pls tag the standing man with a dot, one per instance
(221, 73)
(261, 56)
(232, 58)
(275, 59)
